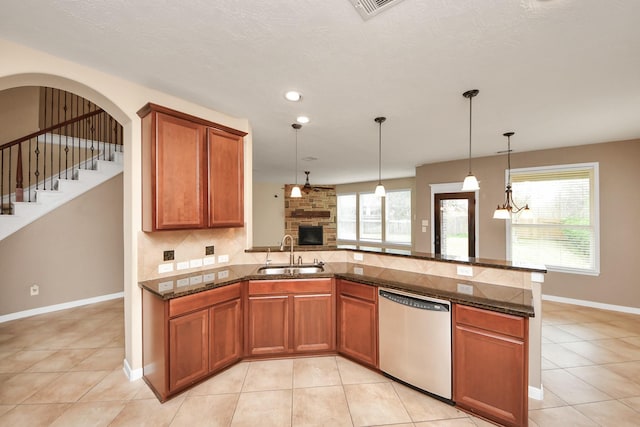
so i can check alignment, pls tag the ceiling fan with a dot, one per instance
(308, 187)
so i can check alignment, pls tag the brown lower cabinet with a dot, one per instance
(358, 322)
(290, 316)
(189, 338)
(490, 366)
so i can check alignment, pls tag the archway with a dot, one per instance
(132, 362)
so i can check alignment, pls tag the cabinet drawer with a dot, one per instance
(358, 290)
(290, 286)
(193, 302)
(491, 321)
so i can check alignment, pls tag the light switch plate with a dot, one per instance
(465, 270)
(357, 256)
(223, 258)
(194, 263)
(210, 260)
(183, 265)
(165, 268)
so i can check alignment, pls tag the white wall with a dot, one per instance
(268, 213)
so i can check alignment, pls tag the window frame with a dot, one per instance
(383, 243)
(595, 213)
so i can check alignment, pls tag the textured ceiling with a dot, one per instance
(557, 72)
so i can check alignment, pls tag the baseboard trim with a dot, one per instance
(58, 307)
(132, 374)
(536, 393)
(592, 304)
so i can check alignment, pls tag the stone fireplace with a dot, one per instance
(316, 207)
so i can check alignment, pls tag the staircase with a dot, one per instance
(79, 147)
(63, 191)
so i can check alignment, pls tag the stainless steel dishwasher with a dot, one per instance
(415, 340)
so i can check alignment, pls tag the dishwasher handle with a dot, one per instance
(418, 303)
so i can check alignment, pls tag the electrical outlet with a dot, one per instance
(357, 256)
(209, 250)
(223, 258)
(168, 255)
(183, 265)
(210, 260)
(34, 290)
(464, 270)
(195, 263)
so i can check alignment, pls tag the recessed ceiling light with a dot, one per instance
(302, 119)
(294, 96)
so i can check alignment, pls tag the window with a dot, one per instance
(564, 231)
(363, 217)
(346, 217)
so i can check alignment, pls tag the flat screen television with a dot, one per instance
(310, 235)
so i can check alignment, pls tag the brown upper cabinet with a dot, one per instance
(192, 172)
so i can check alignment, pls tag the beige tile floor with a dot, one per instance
(65, 369)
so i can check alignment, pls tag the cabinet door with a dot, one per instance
(188, 349)
(180, 164)
(268, 325)
(490, 375)
(224, 334)
(358, 330)
(226, 179)
(313, 324)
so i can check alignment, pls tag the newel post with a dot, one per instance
(19, 188)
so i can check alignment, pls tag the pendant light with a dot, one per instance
(380, 188)
(509, 207)
(470, 182)
(295, 190)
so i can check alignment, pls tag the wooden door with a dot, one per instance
(188, 349)
(490, 369)
(225, 333)
(313, 325)
(226, 179)
(268, 327)
(358, 332)
(180, 164)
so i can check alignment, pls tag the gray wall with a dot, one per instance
(72, 253)
(619, 162)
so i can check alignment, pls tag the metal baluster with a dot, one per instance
(29, 155)
(73, 151)
(2, 184)
(9, 193)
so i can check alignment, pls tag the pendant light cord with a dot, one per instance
(380, 152)
(470, 115)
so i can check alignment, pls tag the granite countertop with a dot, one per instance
(407, 253)
(504, 299)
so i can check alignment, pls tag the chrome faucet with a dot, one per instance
(268, 260)
(292, 258)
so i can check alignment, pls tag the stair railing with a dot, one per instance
(56, 152)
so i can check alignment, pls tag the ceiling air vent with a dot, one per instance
(370, 8)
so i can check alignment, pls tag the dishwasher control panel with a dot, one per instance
(415, 302)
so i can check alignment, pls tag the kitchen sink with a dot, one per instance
(291, 269)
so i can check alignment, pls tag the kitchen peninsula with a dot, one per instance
(196, 324)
